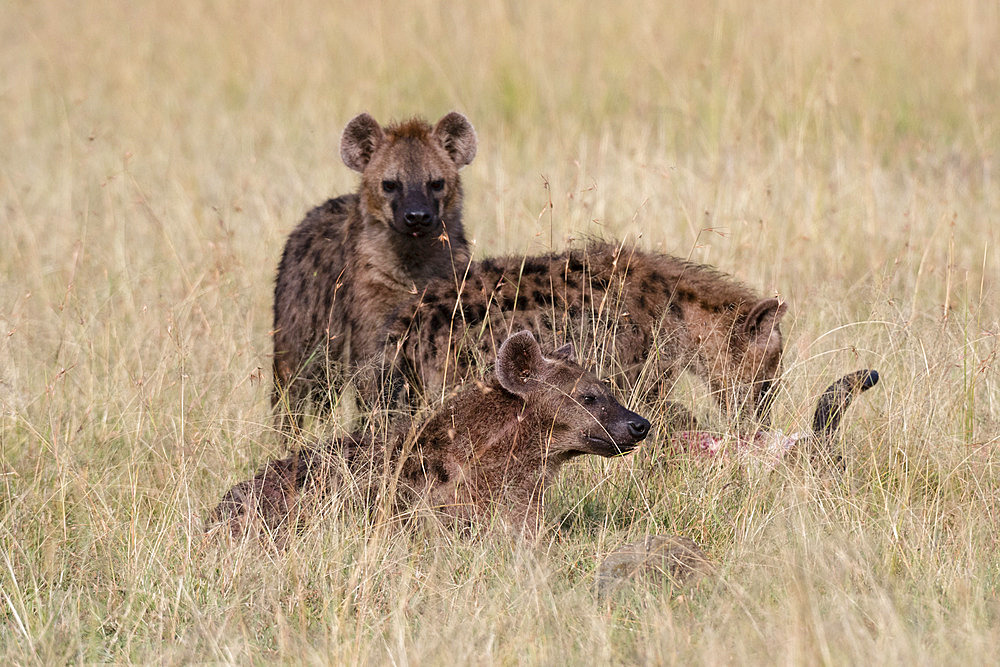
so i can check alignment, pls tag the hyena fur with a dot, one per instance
(489, 451)
(354, 258)
(650, 315)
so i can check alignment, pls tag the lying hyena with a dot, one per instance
(653, 315)
(353, 259)
(493, 448)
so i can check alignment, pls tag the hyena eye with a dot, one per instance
(588, 399)
(389, 187)
(436, 185)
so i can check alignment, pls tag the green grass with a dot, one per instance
(153, 159)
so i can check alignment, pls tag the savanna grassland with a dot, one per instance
(154, 156)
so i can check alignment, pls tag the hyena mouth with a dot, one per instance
(611, 447)
(426, 225)
(418, 233)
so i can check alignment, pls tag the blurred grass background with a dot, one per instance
(154, 156)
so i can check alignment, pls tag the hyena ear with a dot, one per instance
(519, 362)
(456, 134)
(565, 353)
(761, 325)
(360, 140)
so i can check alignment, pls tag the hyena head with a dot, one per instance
(745, 365)
(573, 405)
(409, 171)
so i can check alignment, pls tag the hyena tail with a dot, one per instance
(837, 397)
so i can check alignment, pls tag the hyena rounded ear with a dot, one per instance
(456, 134)
(761, 325)
(519, 362)
(360, 140)
(565, 353)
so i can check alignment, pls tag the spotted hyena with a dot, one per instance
(354, 258)
(490, 450)
(646, 316)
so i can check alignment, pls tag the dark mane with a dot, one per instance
(414, 128)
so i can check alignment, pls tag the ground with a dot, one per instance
(153, 157)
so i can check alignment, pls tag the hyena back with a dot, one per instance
(653, 315)
(354, 258)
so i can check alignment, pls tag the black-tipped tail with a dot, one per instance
(837, 397)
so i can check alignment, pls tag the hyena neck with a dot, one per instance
(497, 426)
(496, 461)
(412, 261)
(523, 448)
(487, 411)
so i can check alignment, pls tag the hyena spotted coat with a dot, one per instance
(652, 315)
(354, 258)
(491, 449)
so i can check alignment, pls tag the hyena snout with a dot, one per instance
(631, 429)
(417, 219)
(638, 428)
(620, 434)
(417, 216)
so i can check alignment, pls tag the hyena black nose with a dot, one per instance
(417, 219)
(638, 428)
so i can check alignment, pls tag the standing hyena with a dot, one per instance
(353, 259)
(651, 315)
(493, 448)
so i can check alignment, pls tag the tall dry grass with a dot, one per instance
(153, 156)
